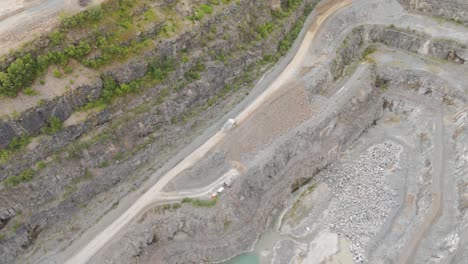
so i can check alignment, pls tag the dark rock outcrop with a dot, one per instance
(32, 121)
(6, 134)
(5, 216)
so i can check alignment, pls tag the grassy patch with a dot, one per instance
(368, 51)
(53, 126)
(30, 91)
(287, 42)
(295, 207)
(24, 176)
(194, 73)
(21, 73)
(112, 33)
(41, 165)
(200, 12)
(441, 19)
(249, 75)
(19, 142)
(265, 29)
(88, 17)
(200, 203)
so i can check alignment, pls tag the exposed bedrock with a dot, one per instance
(87, 174)
(352, 48)
(79, 174)
(256, 196)
(450, 9)
(218, 74)
(247, 210)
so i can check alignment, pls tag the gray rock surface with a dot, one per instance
(451, 9)
(80, 175)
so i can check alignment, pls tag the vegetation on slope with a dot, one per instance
(113, 30)
(160, 69)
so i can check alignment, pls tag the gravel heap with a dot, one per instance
(362, 198)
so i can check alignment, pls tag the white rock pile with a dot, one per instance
(362, 198)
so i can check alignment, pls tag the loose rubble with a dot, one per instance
(362, 199)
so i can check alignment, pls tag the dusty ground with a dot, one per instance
(51, 88)
(23, 20)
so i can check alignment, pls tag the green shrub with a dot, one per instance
(265, 29)
(194, 73)
(4, 155)
(160, 69)
(19, 74)
(89, 16)
(57, 73)
(111, 89)
(56, 38)
(53, 126)
(149, 14)
(110, 50)
(16, 144)
(19, 142)
(287, 42)
(290, 5)
(41, 165)
(30, 91)
(78, 51)
(200, 12)
(24, 176)
(52, 57)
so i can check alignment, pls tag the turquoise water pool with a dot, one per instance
(245, 258)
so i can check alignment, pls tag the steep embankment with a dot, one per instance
(67, 169)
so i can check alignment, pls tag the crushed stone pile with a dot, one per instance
(362, 198)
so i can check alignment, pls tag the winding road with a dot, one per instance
(155, 195)
(323, 11)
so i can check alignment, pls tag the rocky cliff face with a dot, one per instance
(456, 10)
(254, 198)
(81, 171)
(353, 47)
(261, 191)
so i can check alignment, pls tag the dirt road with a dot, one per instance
(323, 12)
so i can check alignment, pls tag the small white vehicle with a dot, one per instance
(230, 124)
(220, 190)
